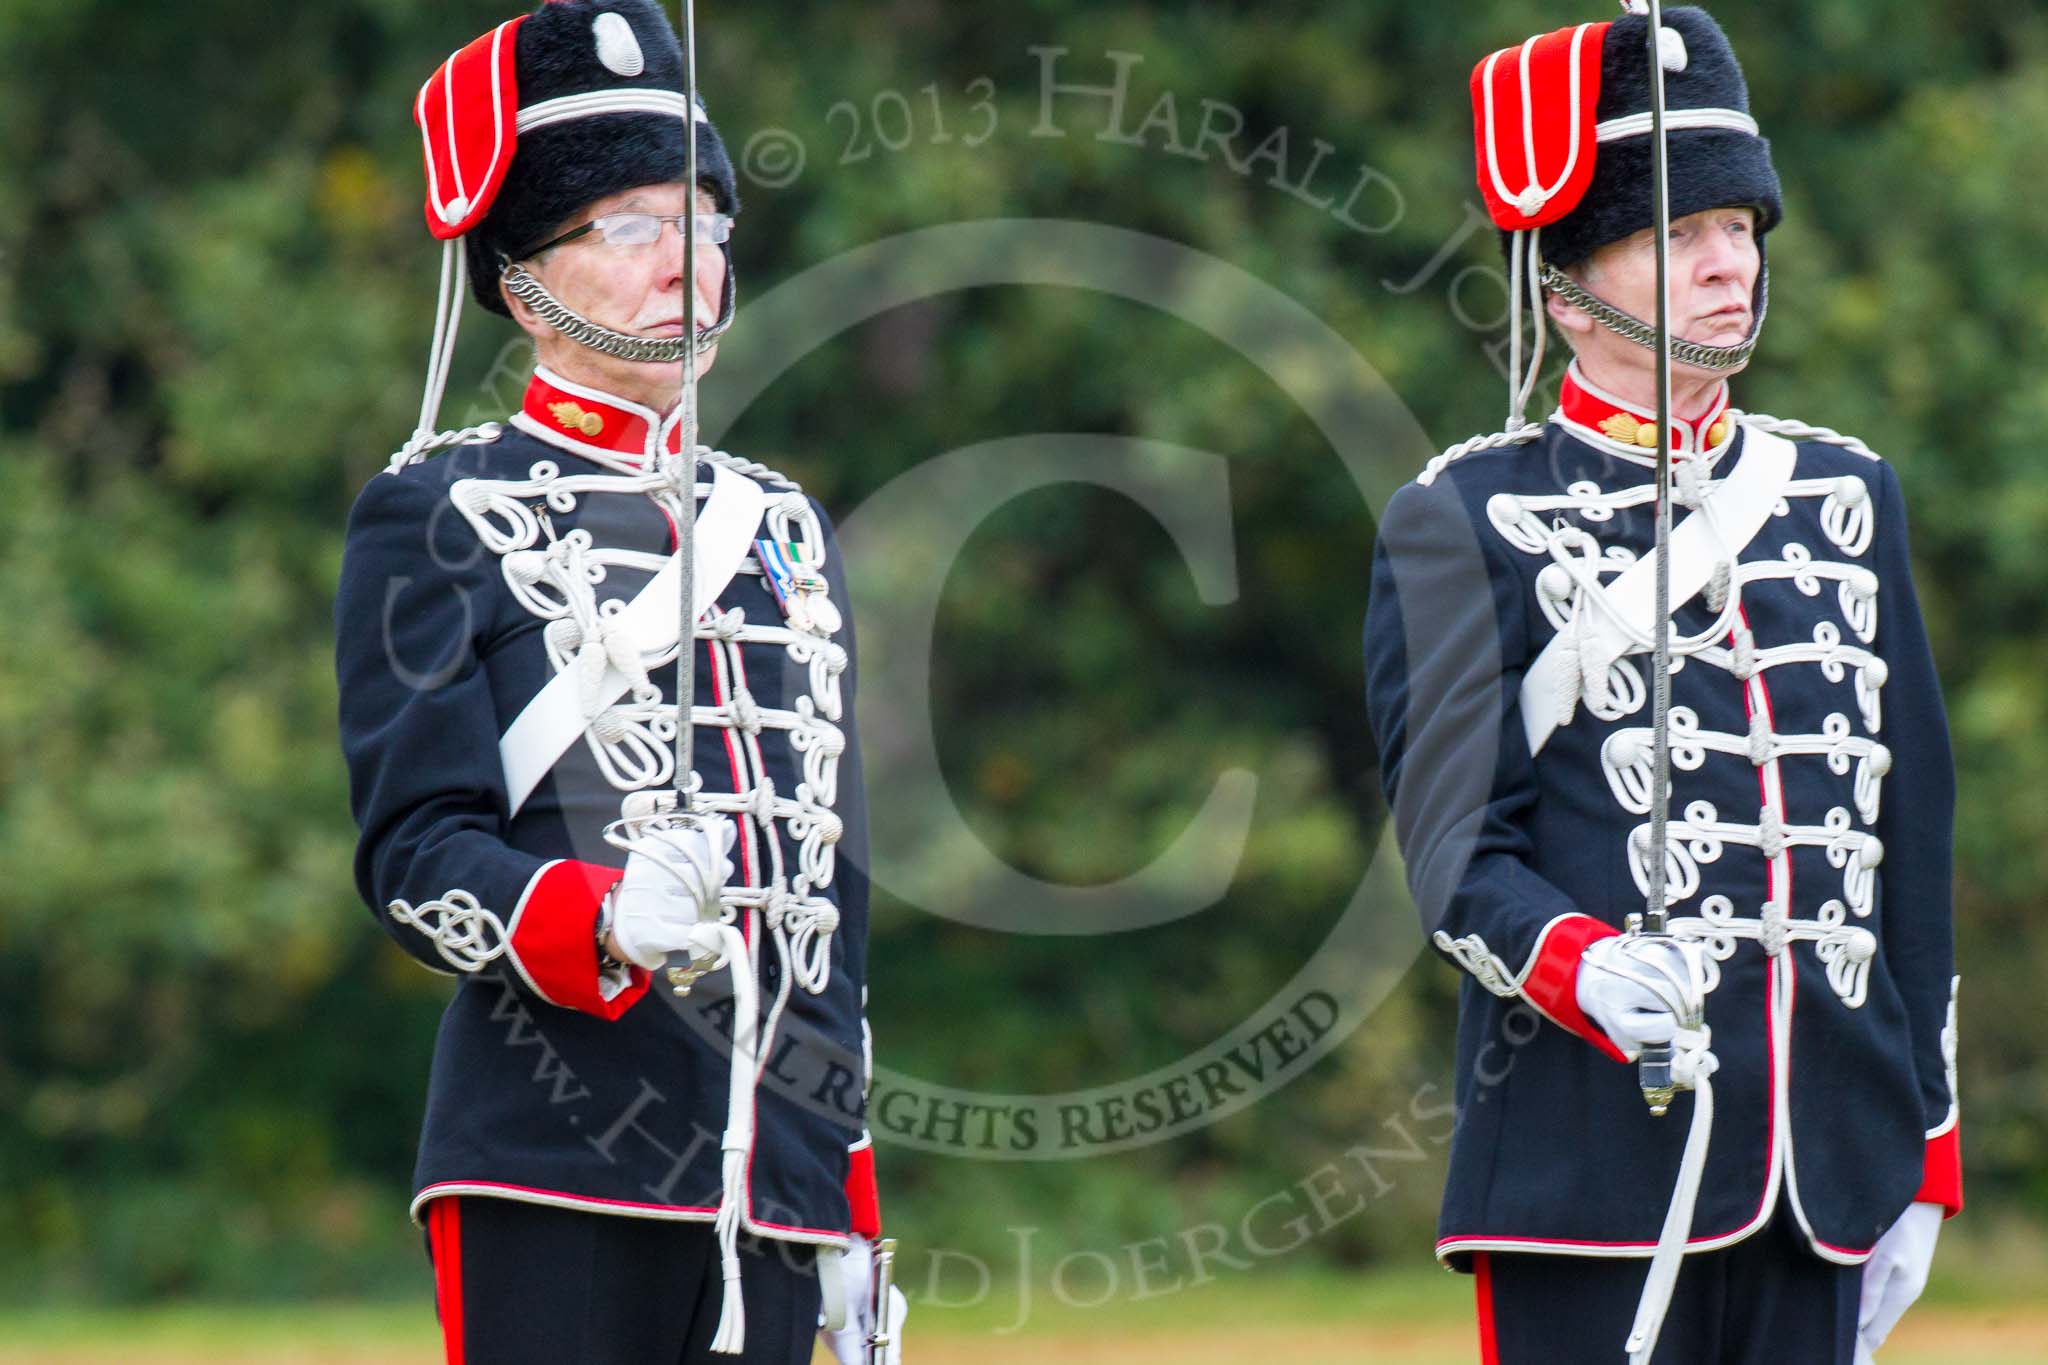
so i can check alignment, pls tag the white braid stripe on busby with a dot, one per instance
(1676, 120)
(622, 101)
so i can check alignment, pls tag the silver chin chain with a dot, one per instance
(1644, 334)
(573, 325)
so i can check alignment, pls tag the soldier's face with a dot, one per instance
(1714, 264)
(636, 289)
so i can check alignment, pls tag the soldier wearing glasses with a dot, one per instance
(599, 1181)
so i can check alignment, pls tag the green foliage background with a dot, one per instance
(215, 296)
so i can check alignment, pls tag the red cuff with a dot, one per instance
(553, 939)
(1552, 985)
(863, 1196)
(1941, 1181)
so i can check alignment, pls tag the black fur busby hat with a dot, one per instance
(584, 47)
(1716, 156)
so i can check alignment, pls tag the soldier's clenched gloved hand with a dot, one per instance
(1638, 988)
(673, 877)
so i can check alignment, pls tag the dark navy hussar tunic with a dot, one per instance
(469, 581)
(1810, 824)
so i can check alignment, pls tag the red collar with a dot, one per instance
(1616, 425)
(594, 424)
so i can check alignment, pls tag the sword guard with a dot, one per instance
(643, 811)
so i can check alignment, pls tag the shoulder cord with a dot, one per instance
(1801, 431)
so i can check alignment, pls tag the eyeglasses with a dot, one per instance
(624, 230)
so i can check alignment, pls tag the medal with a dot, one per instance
(799, 588)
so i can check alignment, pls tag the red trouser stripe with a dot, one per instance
(444, 1229)
(1482, 1275)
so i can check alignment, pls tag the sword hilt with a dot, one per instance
(1653, 1074)
(642, 812)
(681, 812)
(1653, 1063)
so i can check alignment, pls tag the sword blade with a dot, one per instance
(686, 521)
(1655, 1063)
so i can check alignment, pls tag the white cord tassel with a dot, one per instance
(447, 318)
(440, 356)
(732, 1311)
(1534, 274)
(1515, 258)
(731, 1337)
(1692, 1064)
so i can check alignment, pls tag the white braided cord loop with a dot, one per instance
(467, 936)
(1494, 440)
(1801, 431)
(753, 469)
(423, 443)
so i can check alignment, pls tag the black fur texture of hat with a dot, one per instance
(1707, 167)
(560, 169)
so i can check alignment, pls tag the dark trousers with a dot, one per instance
(525, 1284)
(1767, 1300)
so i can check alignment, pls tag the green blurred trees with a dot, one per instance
(215, 295)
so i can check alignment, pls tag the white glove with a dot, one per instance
(850, 1343)
(1637, 988)
(673, 877)
(1895, 1274)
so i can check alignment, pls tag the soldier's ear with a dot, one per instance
(1572, 320)
(529, 322)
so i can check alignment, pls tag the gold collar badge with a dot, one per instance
(1626, 429)
(576, 418)
(1623, 427)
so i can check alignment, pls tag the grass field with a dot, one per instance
(1410, 1318)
